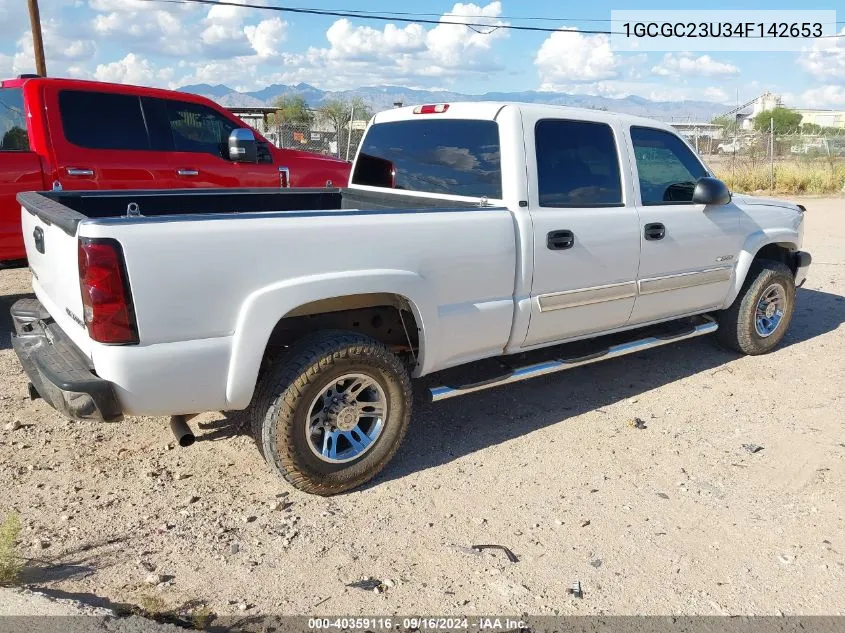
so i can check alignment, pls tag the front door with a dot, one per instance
(688, 251)
(201, 149)
(586, 245)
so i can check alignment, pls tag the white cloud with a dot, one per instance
(182, 31)
(686, 65)
(453, 45)
(830, 96)
(132, 69)
(59, 49)
(266, 36)
(825, 60)
(362, 55)
(568, 57)
(364, 43)
(145, 28)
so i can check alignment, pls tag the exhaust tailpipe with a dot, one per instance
(181, 430)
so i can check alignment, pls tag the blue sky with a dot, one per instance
(170, 45)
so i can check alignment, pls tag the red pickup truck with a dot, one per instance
(71, 134)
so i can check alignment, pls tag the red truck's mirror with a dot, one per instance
(242, 146)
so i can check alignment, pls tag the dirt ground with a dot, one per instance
(675, 518)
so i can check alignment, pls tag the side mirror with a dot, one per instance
(711, 191)
(242, 146)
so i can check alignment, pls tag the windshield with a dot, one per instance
(13, 136)
(449, 156)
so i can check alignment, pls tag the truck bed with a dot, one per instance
(211, 273)
(66, 209)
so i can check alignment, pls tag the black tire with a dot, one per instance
(737, 325)
(280, 409)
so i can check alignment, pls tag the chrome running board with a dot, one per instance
(553, 366)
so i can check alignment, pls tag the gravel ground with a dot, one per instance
(674, 518)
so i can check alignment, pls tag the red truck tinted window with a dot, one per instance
(103, 120)
(197, 128)
(13, 136)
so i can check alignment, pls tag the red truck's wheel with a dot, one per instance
(331, 414)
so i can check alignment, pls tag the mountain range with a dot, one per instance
(383, 97)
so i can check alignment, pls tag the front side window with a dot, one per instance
(447, 156)
(577, 164)
(197, 128)
(667, 168)
(13, 136)
(103, 120)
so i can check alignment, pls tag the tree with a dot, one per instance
(786, 120)
(728, 123)
(291, 110)
(15, 139)
(338, 112)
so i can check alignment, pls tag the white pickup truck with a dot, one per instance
(469, 231)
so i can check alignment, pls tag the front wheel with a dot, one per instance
(331, 414)
(758, 319)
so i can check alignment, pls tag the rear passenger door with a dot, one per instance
(200, 142)
(586, 240)
(100, 141)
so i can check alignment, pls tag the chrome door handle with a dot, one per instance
(188, 172)
(79, 171)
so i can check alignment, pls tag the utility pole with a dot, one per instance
(37, 42)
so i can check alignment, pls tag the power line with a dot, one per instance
(366, 15)
(500, 17)
(383, 18)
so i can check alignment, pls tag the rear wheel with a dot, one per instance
(758, 319)
(331, 414)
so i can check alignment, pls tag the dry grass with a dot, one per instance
(153, 606)
(201, 617)
(822, 177)
(10, 563)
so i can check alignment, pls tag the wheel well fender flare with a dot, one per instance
(264, 308)
(754, 243)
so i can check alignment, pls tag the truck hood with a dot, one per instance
(743, 199)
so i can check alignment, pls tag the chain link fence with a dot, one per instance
(784, 163)
(316, 137)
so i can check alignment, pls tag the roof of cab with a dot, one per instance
(88, 84)
(489, 110)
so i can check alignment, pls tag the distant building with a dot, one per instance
(823, 118)
(254, 117)
(745, 113)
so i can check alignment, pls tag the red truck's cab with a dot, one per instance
(82, 135)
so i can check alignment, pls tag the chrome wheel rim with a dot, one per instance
(770, 310)
(346, 418)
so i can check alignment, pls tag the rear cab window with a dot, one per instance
(451, 156)
(667, 168)
(13, 134)
(577, 164)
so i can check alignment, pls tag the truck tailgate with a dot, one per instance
(53, 259)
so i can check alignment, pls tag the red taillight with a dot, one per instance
(434, 108)
(106, 299)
